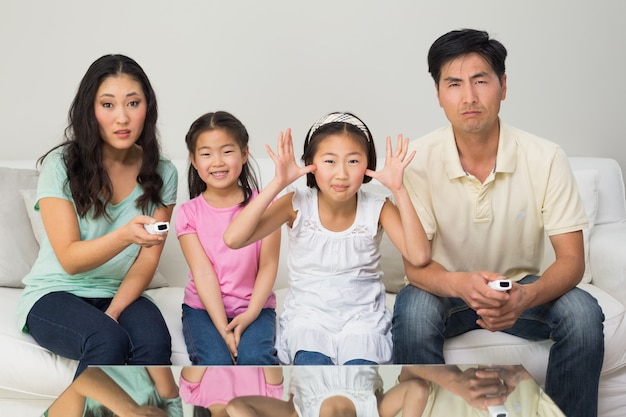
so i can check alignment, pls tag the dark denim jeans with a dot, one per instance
(305, 357)
(207, 347)
(77, 328)
(574, 321)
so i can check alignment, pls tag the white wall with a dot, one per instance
(278, 64)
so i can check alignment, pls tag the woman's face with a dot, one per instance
(120, 107)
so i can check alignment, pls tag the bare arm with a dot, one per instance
(141, 272)
(163, 380)
(207, 286)
(500, 310)
(563, 275)
(75, 255)
(193, 374)
(263, 285)
(400, 221)
(96, 384)
(258, 219)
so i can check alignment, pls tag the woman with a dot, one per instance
(83, 297)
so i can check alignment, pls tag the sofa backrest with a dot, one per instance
(610, 186)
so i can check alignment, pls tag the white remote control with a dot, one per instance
(498, 411)
(501, 284)
(157, 228)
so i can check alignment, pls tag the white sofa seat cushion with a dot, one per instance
(169, 300)
(21, 358)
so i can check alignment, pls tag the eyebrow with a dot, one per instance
(481, 74)
(131, 94)
(227, 145)
(348, 154)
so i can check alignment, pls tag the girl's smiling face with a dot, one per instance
(341, 162)
(219, 159)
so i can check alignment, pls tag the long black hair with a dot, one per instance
(88, 181)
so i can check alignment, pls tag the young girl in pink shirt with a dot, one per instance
(229, 306)
(210, 389)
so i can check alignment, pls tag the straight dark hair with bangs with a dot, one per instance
(220, 120)
(88, 181)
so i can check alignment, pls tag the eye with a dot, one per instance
(107, 105)
(353, 161)
(329, 161)
(133, 103)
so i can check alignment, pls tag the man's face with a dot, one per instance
(470, 93)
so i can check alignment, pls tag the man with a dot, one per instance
(486, 194)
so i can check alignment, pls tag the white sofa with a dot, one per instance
(31, 377)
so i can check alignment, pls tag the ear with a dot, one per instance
(503, 85)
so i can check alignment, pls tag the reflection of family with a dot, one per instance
(324, 391)
(476, 196)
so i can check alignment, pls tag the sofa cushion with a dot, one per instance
(18, 246)
(21, 357)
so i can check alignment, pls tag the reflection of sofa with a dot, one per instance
(31, 377)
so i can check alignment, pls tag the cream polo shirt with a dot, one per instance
(498, 225)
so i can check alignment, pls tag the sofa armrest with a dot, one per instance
(607, 258)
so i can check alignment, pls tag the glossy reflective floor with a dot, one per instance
(324, 391)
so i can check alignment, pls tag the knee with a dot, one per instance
(583, 316)
(414, 306)
(109, 345)
(257, 355)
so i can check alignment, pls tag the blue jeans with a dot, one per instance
(574, 321)
(206, 346)
(306, 357)
(77, 328)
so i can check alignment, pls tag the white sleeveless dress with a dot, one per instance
(335, 303)
(311, 385)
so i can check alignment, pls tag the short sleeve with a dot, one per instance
(185, 221)
(563, 210)
(169, 174)
(53, 178)
(190, 392)
(275, 391)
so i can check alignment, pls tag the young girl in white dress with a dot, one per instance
(334, 310)
(337, 391)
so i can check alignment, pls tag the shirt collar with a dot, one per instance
(505, 159)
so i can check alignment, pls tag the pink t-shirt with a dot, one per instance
(236, 269)
(220, 384)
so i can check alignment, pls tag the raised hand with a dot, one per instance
(391, 176)
(287, 169)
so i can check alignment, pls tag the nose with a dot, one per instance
(342, 171)
(469, 93)
(122, 115)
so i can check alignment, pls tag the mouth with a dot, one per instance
(339, 188)
(219, 174)
(471, 113)
(122, 133)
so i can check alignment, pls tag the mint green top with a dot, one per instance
(136, 382)
(48, 276)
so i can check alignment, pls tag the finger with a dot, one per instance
(399, 147)
(288, 142)
(270, 152)
(408, 160)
